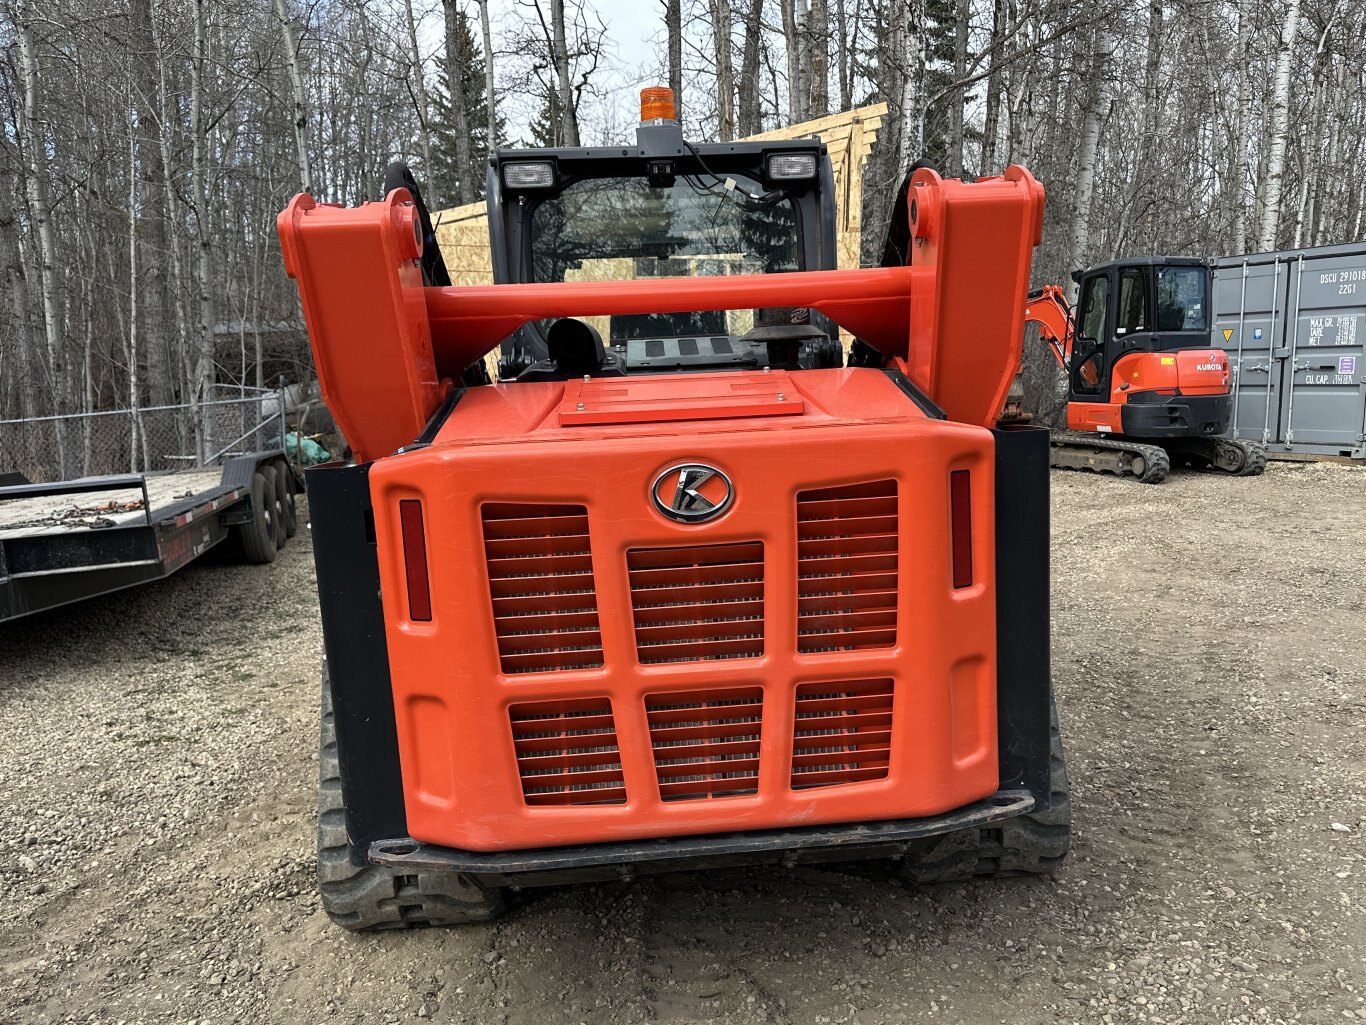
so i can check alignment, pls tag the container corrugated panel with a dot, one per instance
(1294, 325)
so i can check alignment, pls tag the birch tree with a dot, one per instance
(725, 76)
(1277, 128)
(290, 50)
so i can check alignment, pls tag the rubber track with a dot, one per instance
(1156, 463)
(365, 897)
(1028, 845)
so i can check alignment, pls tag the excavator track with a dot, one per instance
(1073, 450)
(1235, 457)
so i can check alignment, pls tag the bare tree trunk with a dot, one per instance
(991, 124)
(490, 98)
(1322, 183)
(1279, 120)
(12, 271)
(796, 99)
(725, 76)
(419, 86)
(178, 288)
(33, 134)
(133, 286)
(201, 376)
(467, 188)
(296, 84)
(1243, 118)
(569, 117)
(957, 98)
(1313, 158)
(846, 52)
(673, 27)
(910, 32)
(1089, 143)
(749, 70)
(151, 211)
(818, 58)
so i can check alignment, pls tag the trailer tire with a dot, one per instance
(257, 536)
(277, 487)
(365, 897)
(1033, 844)
(284, 478)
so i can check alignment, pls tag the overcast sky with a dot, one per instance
(635, 48)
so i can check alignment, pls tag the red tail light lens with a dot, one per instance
(960, 499)
(415, 560)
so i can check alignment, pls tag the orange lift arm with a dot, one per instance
(387, 349)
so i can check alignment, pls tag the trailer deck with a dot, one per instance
(49, 513)
(74, 539)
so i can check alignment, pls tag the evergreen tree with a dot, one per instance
(545, 130)
(471, 86)
(941, 18)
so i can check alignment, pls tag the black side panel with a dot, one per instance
(1181, 416)
(1023, 680)
(357, 655)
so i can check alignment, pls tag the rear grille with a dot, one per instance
(846, 567)
(842, 733)
(567, 752)
(545, 612)
(698, 603)
(706, 743)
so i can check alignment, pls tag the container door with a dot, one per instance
(1249, 316)
(1324, 406)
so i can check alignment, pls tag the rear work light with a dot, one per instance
(415, 560)
(960, 502)
(786, 166)
(539, 174)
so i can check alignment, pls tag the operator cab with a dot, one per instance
(664, 207)
(1150, 304)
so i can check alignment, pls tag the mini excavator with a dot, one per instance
(1145, 388)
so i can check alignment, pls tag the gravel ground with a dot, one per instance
(158, 763)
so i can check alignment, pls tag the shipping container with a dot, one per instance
(1293, 324)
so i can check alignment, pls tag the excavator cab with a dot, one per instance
(1152, 304)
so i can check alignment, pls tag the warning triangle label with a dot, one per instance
(1228, 333)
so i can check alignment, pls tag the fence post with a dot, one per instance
(284, 391)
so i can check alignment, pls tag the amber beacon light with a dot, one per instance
(657, 103)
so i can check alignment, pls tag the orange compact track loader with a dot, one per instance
(1145, 388)
(679, 590)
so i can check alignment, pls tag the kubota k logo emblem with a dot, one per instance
(692, 492)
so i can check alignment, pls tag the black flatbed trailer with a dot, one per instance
(66, 541)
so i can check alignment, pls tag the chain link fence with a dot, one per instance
(151, 440)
